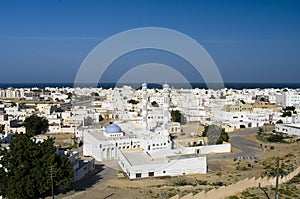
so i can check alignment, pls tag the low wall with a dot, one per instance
(238, 187)
(218, 148)
(84, 170)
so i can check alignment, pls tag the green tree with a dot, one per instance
(289, 108)
(287, 111)
(286, 114)
(25, 171)
(13, 104)
(204, 133)
(260, 130)
(224, 137)
(176, 116)
(35, 125)
(132, 101)
(69, 95)
(154, 104)
(215, 134)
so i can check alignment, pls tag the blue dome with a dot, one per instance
(113, 128)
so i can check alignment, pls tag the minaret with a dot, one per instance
(166, 110)
(144, 104)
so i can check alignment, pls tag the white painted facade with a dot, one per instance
(290, 129)
(140, 164)
(288, 98)
(145, 151)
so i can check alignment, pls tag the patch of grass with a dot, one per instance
(218, 184)
(276, 138)
(196, 191)
(246, 194)
(181, 182)
(233, 197)
(261, 138)
(200, 182)
(295, 180)
(285, 192)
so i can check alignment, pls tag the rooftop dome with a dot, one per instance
(113, 128)
(144, 85)
(166, 86)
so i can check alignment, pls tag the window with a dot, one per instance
(151, 174)
(164, 171)
(138, 175)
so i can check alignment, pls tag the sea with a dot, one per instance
(238, 86)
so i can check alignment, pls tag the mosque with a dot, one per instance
(142, 151)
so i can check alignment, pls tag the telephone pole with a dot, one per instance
(52, 186)
(277, 178)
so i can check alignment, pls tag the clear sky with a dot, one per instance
(250, 41)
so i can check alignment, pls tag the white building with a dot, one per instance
(140, 164)
(288, 98)
(143, 150)
(290, 129)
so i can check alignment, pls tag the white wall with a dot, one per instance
(169, 167)
(289, 129)
(218, 148)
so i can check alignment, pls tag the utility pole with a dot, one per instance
(52, 186)
(277, 178)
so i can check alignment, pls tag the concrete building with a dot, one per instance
(138, 164)
(288, 98)
(143, 151)
(290, 129)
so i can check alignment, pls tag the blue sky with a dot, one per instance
(250, 41)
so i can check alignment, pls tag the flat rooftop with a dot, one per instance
(139, 157)
(184, 156)
(297, 126)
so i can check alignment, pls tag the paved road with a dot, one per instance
(102, 173)
(247, 147)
